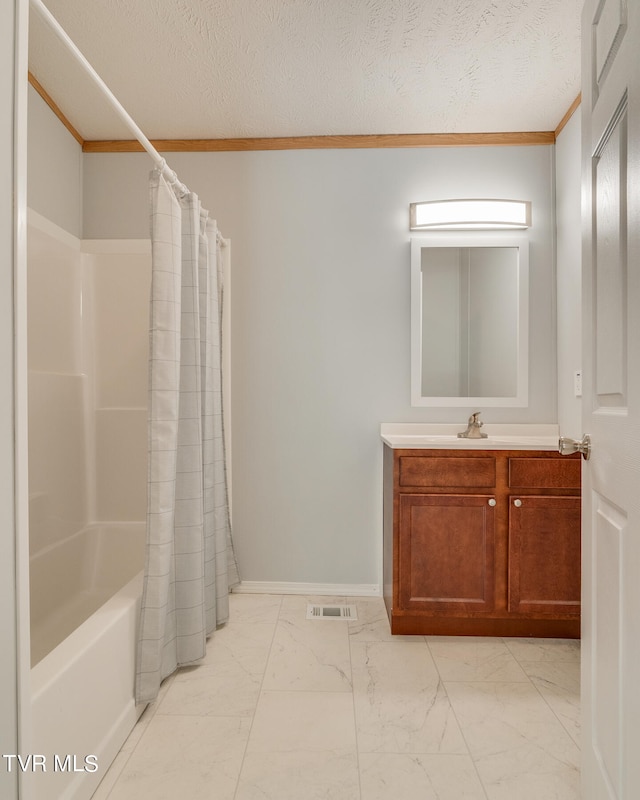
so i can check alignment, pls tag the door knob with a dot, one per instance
(568, 446)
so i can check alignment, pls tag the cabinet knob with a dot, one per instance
(492, 502)
(517, 503)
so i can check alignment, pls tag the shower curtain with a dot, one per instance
(190, 564)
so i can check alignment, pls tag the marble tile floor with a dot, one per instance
(284, 708)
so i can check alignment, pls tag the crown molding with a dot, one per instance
(570, 111)
(326, 142)
(55, 108)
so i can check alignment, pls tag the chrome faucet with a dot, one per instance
(473, 428)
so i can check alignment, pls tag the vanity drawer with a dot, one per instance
(440, 471)
(545, 473)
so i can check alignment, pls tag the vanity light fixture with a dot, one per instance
(458, 215)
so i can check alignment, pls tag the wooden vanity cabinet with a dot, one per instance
(482, 542)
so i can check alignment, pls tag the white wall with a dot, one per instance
(569, 248)
(54, 186)
(320, 326)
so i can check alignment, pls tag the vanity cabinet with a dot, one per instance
(482, 542)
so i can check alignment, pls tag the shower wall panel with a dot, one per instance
(121, 284)
(58, 458)
(88, 306)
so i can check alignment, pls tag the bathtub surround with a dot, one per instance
(88, 352)
(87, 404)
(189, 549)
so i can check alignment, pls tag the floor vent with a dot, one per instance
(331, 612)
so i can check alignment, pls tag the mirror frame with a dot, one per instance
(519, 241)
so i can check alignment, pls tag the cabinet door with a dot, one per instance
(544, 555)
(446, 553)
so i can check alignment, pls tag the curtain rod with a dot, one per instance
(52, 22)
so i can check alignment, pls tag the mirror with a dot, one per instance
(469, 320)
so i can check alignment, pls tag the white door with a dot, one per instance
(611, 400)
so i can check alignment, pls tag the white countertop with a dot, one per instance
(434, 436)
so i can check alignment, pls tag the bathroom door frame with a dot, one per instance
(15, 668)
(611, 400)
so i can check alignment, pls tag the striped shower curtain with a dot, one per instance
(189, 564)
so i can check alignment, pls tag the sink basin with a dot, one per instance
(445, 437)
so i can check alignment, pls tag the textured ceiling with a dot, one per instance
(243, 68)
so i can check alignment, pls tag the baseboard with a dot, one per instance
(333, 589)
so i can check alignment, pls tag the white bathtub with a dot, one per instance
(82, 688)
